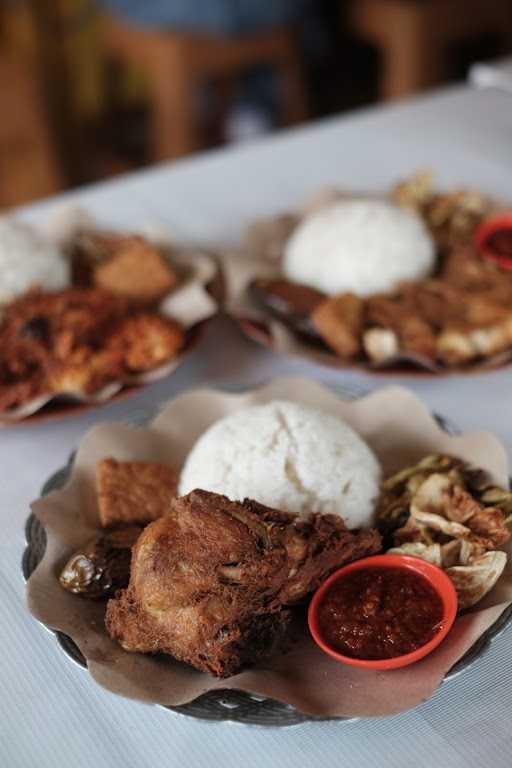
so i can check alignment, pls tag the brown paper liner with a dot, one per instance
(191, 304)
(259, 257)
(399, 429)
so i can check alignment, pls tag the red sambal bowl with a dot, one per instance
(493, 239)
(436, 578)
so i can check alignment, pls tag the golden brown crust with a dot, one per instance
(133, 492)
(339, 321)
(211, 580)
(146, 341)
(137, 271)
(77, 341)
(84, 371)
(445, 320)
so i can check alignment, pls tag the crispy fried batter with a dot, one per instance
(210, 581)
(137, 271)
(45, 316)
(84, 371)
(76, 341)
(339, 321)
(146, 341)
(451, 216)
(452, 320)
(131, 492)
(16, 393)
(21, 370)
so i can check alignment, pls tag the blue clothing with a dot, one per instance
(223, 17)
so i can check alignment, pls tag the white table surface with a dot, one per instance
(51, 714)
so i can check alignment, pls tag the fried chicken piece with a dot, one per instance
(211, 581)
(62, 321)
(464, 269)
(83, 372)
(137, 271)
(131, 492)
(15, 394)
(418, 337)
(399, 315)
(146, 341)
(77, 341)
(339, 321)
(21, 371)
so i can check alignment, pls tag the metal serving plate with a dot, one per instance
(231, 705)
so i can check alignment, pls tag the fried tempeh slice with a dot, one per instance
(136, 271)
(211, 581)
(339, 321)
(131, 492)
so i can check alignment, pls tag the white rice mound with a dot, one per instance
(290, 457)
(362, 246)
(27, 260)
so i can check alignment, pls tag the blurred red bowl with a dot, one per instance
(493, 238)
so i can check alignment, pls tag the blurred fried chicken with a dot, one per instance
(210, 581)
(76, 341)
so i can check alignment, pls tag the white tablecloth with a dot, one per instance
(51, 714)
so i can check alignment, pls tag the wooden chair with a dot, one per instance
(176, 63)
(29, 163)
(413, 35)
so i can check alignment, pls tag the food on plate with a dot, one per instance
(137, 270)
(288, 456)
(450, 216)
(402, 280)
(133, 491)
(27, 261)
(211, 581)
(446, 512)
(380, 613)
(101, 567)
(81, 319)
(77, 341)
(436, 320)
(144, 341)
(288, 301)
(339, 321)
(359, 246)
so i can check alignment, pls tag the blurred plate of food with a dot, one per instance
(88, 314)
(392, 282)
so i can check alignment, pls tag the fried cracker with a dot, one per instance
(132, 492)
(137, 271)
